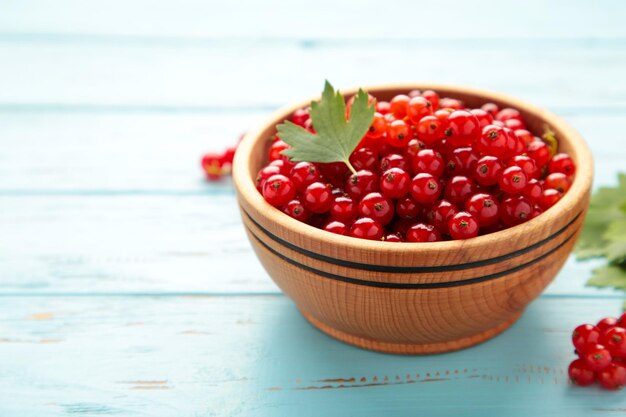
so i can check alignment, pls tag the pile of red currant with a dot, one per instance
(601, 351)
(428, 169)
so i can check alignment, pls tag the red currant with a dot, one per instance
(584, 335)
(278, 190)
(440, 213)
(490, 108)
(563, 163)
(422, 232)
(343, 209)
(430, 129)
(364, 158)
(337, 227)
(393, 160)
(488, 170)
(507, 114)
(275, 150)
(398, 133)
(549, 197)
(484, 207)
(395, 183)
(317, 198)
(377, 207)
(515, 210)
(264, 174)
(300, 117)
(525, 136)
(558, 181)
(484, 118)
(212, 165)
(417, 108)
(606, 324)
(513, 180)
(433, 97)
(362, 183)
(462, 226)
(533, 190)
(398, 106)
(451, 103)
(613, 377)
(615, 341)
(462, 161)
(596, 357)
(334, 172)
(366, 228)
(393, 237)
(428, 161)
(492, 141)
(295, 209)
(378, 127)
(303, 174)
(464, 128)
(580, 374)
(407, 208)
(425, 188)
(459, 189)
(528, 165)
(539, 151)
(383, 107)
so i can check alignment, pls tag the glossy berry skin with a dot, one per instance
(621, 322)
(430, 129)
(398, 106)
(539, 151)
(418, 108)
(462, 226)
(377, 207)
(614, 339)
(337, 227)
(490, 108)
(212, 165)
(492, 141)
(276, 149)
(459, 189)
(440, 213)
(451, 103)
(484, 207)
(393, 160)
(596, 357)
(484, 118)
(464, 128)
(394, 238)
(300, 117)
(366, 228)
(488, 170)
(515, 210)
(422, 232)
(563, 163)
(584, 335)
(525, 136)
(528, 165)
(433, 97)
(507, 114)
(398, 134)
(362, 183)
(343, 209)
(513, 180)
(278, 190)
(335, 173)
(264, 174)
(364, 158)
(395, 183)
(558, 181)
(428, 161)
(407, 208)
(549, 197)
(613, 377)
(317, 198)
(378, 127)
(579, 374)
(606, 324)
(462, 161)
(283, 165)
(303, 174)
(295, 209)
(425, 188)
(533, 191)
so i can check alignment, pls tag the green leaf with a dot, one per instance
(335, 136)
(608, 276)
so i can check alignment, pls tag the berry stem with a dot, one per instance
(349, 165)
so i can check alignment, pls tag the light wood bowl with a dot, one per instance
(414, 298)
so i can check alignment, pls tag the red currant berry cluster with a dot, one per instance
(218, 164)
(601, 353)
(428, 169)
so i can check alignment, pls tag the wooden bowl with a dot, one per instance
(414, 298)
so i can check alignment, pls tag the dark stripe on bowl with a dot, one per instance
(409, 269)
(403, 285)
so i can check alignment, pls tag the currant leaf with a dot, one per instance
(608, 276)
(336, 136)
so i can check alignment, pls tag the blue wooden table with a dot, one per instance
(127, 286)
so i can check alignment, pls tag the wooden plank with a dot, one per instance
(67, 76)
(256, 356)
(324, 18)
(159, 153)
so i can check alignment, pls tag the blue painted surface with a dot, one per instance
(127, 286)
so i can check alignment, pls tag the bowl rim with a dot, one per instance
(246, 189)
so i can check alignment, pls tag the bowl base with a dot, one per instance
(409, 348)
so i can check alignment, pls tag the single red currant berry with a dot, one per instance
(459, 189)
(317, 198)
(393, 237)
(613, 377)
(407, 208)
(284, 165)
(433, 97)
(596, 357)
(378, 127)
(337, 227)
(364, 158)
(362, 183)
(462, 161)
(303, 174)
(425, 188)
(229, 155)
(484, 118)
(512, 144)
(492, 141)
(451, 103)
(621, 322)
(430, 129)
(514, 124)
(491, 108)
(413, 147)
(417, 108)
(579, 374)
(606, 324)
(443, 115)
(343, 209)
(585, 335)
(549, 197)
(525, 136)
(278, 190)
(440, 213)
(393, 160)
(264, 174)
(398, 133)
(563, 163)
(614, 339)
(366, 228)
(395, 183)
(513, 180)
(383, 107)
(515, 210)
(212, 166)
(540, 152)
(533, 190)
(508, 113)
(464, 128)
(422, 232)
(377, 207)
(488, 170)
(295, 209)
(399, 105)
(528, 165)
(335, 172)
(558, 181)
(428, 161)
(484, 207)
(276, 150)
(300, 117)
(462, 226)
